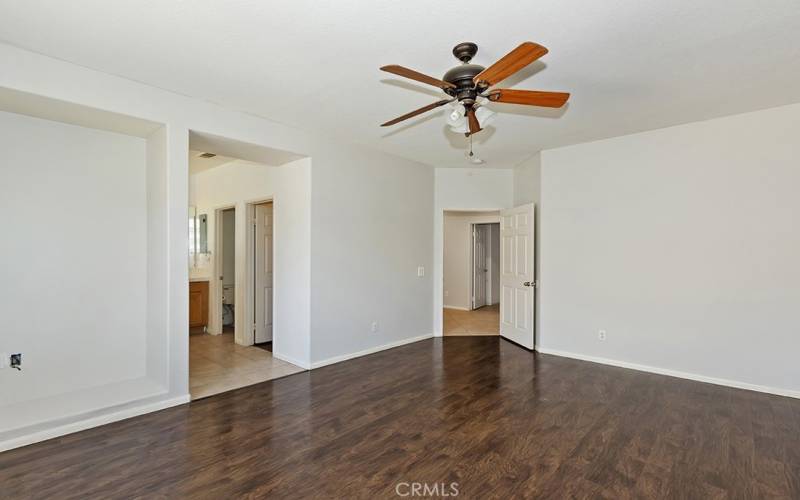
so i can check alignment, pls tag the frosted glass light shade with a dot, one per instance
(457, 121)
(485, 116)
(455, 116)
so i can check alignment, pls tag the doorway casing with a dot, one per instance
(245, 313)
(267, 175)
(438, 273)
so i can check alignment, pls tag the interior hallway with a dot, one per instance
(483, 321)
(217, 364)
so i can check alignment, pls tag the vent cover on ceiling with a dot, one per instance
(206, 155)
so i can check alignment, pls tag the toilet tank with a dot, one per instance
(228, 294)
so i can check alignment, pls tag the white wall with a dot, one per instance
(457, 260)
(239, 183)
(683, 244)
(76, 209)
(468, 189)
(372, 230)
(159, 365)
(527, 181)
(353, 184)
(527, 189)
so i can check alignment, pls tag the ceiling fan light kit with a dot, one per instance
(457, 119)
(468, 86)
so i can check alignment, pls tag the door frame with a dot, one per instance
(247, 336)
(438, 260)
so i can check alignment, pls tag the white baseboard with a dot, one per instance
(458, 308)
(296, 362)
(88, 422)
(372, 350)
(671, 373)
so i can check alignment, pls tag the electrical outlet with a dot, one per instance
(601, 335)
(446, 293)
(421, 271)
(374, 326)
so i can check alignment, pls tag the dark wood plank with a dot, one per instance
(478, 411)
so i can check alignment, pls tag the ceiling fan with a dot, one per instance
(467, 82)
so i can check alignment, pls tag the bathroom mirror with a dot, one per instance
(202, 233)
(198, 235)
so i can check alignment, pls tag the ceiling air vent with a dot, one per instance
(206, 155)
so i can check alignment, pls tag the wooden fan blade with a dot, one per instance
(474, 125)
(417, 112)
(529, 97)
(416, 75)
(512, 62)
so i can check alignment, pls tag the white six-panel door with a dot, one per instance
(517, 280)
(263, 273)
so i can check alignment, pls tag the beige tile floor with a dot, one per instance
(217, 364)
(483, 321)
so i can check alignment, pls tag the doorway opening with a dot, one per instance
(232, 214)
(471, 291)
(226, 262)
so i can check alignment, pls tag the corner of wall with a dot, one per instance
(527, 180)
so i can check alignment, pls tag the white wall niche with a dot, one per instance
(85, 287)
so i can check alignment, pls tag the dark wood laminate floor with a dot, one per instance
(479, 411)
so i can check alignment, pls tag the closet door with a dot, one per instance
(517, 280)
(263, 273)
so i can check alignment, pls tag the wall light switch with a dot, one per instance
(421, 271)
(15, 361)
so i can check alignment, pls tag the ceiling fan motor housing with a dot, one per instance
(462, 76)
(465, 51)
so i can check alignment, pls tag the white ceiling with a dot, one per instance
(234, 149)
(631, 65)
(199, 164)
